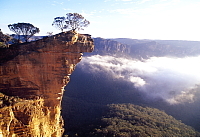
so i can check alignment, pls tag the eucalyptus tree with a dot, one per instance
(59, 22)
(72, 21)
(25, 29)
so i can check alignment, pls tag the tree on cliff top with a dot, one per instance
(26, 29)
(59, 22)
(72, 21)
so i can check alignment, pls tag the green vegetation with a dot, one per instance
(122, 120)
(72, 21)
(86, 111)
(4, 40)
(25, 29)
(128, 120)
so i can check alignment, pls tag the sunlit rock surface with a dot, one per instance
(32, 79)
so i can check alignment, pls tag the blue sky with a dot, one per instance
(137, 19)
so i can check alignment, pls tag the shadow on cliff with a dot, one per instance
(7, 54)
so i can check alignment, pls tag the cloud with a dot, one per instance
(106, 0)
(123, 0)
(116, 0)
(66, 9)
(88, 14)
(172, 79)
(56, 2)
(143, 1)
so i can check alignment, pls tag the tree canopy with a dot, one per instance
(59, 22)
(26, 29)
(128, 120)
(72, 21)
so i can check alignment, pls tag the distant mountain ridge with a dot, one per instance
(110, 47)
(172, 48)
(142, 48)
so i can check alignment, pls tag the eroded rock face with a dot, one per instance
(32, 78)
(109, 46)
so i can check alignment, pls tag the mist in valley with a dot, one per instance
(169, 83)
(172, 79)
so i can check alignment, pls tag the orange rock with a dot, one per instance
(32, 80)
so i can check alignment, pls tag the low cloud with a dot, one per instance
(172, 79)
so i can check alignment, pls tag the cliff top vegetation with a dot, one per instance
(72, 21)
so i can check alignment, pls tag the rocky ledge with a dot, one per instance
(33, 77)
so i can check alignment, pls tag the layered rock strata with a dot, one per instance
(32, 80)
(110, 47)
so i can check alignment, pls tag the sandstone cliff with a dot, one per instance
(33, 76)
(110, 47)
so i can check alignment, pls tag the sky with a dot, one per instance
(137, 19)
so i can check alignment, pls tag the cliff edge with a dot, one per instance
(33, 77)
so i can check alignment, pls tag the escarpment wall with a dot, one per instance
(32, 79)
(109, 46)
